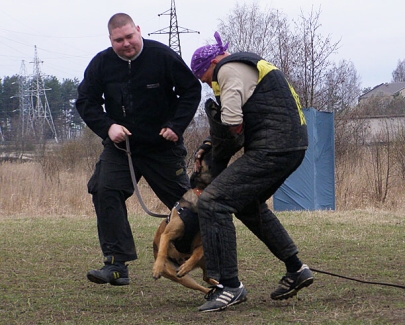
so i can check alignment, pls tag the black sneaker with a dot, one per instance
(291, 283)
(220, 297)
(114, 273)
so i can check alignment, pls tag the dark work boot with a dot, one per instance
(115, 273)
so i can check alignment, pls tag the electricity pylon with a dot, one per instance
(173, 30)
(25, 109)
(39, 114)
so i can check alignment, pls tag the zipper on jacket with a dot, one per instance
(129, 86)
(124, 112)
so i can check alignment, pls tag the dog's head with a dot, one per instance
(203, 178)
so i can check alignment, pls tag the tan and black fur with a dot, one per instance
(169, 262)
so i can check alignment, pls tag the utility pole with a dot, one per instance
(25, 109)
(40, 113)
(173, 30)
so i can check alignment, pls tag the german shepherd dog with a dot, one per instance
(176, 247)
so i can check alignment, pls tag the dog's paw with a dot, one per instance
(157, 272)
(156, 276)
(183, 270)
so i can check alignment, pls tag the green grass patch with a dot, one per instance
(44, 261)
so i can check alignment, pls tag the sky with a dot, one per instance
(66, 34)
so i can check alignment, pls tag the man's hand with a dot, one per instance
(199, 154)
(117, 133)
(169, 135)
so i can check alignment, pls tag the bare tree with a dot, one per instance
(249, 29)
(398, 75)
(285, 47)
(342, 87)
(313, 62)
(266, 33)
(302, 53)
(399, 150)
(381, 161)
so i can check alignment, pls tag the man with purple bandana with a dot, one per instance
(202, 58)
(256, 108)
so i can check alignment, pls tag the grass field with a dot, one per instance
(44, 260)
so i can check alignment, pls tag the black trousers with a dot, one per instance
(111, 186)
(243, 189)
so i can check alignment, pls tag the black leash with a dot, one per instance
(357, 280)
(144, 207)
(135, 183)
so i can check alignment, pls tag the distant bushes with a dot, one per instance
(369, 175)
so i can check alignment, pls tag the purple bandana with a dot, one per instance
(202, 57)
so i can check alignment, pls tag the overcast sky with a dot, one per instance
(68, 33)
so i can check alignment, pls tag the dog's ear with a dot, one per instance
(203, 178)
(211, 167)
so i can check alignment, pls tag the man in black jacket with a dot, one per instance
(141, 90)
(258, 109)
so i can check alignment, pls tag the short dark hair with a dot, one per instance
(119, 20)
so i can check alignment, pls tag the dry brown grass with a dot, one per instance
(362, 180)
(57, 183)
(367, 177)
(27, 189)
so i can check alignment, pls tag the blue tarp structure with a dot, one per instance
(312, 185)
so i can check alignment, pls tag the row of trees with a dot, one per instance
(19, 95)
(301, 51)
(297, 47)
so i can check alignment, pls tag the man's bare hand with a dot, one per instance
(199, 155)
(169, 135)
(117, 133)
(197, 160)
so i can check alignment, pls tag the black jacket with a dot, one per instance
(155, 90)
(272, 116)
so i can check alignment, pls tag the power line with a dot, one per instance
(35, 113)
(41, 109)
(174, 29)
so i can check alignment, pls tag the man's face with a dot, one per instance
(207, 76)
(126, 41)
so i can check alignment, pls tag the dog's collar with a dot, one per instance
(178, 207)
(177, 204)
(197, 191)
